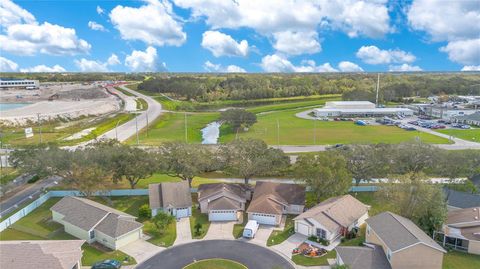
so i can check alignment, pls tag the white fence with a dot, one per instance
(42, 199)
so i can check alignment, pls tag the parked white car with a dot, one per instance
(250, 229)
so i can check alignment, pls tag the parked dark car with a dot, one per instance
(107, 264)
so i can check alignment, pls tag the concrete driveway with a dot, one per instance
(262, 235)
(184, 235)
(288, 245)
(141, 250)
(220, 230)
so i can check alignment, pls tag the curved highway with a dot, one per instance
(250, 255)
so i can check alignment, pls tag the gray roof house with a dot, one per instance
(367, 257)
(171, 197)
(461, 230)
(39, 254)
(459, 199)
(94, 222)
(223, 201)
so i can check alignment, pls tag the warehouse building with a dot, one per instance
(6, 83)
(358, 109)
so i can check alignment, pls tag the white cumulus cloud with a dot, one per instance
(374, 55)
(463, 51)
(404, 68)
(297, 42)
(113, 60)
(144, 61)
(100, 10)
(85, 65)
(96, 26)
(7, 65)
(471, 68)
(43, 69)
(153, 23)
(346, 66)
(221, 44)
(276, 63)
(21, 34)
(218, 68)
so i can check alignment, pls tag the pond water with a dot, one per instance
(8, 106)
(211, 133)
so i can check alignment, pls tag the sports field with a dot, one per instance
(470, 134)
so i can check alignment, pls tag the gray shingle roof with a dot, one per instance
(398, 232)
(224, 203)
(87, 215)
(268, 197)
(51, 254)
(461, 199)
(207, 190)
(170, 194)
(363, 257)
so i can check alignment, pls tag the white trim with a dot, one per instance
(418, 243)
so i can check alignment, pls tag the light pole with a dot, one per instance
(116, 131)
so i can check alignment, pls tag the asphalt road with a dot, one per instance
(252, 256)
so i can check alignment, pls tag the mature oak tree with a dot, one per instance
(238, 118)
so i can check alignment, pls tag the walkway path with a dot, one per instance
(130, 104)
(184, 235)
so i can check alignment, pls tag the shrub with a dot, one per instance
(144, 212)
(34, 179)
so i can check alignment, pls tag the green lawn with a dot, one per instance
(460, 260)
(171, 127)
(164, 239)
(124, 91)
(141, 104)
(238, 228)
(296, 131)
(198, 217)
(309, 261)
(277, 237)
(469, 134)
(38, 225)
(8, 174)
(369, 198)
(215, 264)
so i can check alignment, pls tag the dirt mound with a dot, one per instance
(91, 93)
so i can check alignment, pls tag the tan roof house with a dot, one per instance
(40, 254)
(94, 222)
(223, 201)
(461, 230)
(333, 218)
(171, 197)
(272, 200)
(405, 245)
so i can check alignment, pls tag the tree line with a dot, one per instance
(405, 166)
(393, 87)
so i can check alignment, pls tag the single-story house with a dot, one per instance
(405, 245)
(369, 256)
(459, 199)
(461, 230)
(472, 119)
(94, 222)
(223, 201)
(272, 200)
(171, 197)
(41, 254)
(333, 218)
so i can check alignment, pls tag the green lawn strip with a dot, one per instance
(141, 104)
(314, 261)
(38, 226)
(164, 239)
(215, 264)
(369, 198)
(460, 260)
(171, 127)
(294, 104)
(292, 130)
(127, 93)
(238, 228)
(198, 217)
(277, 237)
(469, 134)
(8, 174)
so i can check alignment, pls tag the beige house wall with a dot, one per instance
(204, 202)
(474, 247)
(105, 240)
(77, 232)
(419, 256)
(128, 238)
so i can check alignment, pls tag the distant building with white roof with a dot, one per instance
(358, 109)
(6, 83)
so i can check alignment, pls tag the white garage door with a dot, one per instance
(222, 215)
(302, 229)
(264, 218)
(182, 212)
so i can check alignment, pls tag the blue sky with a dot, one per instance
(240, 36)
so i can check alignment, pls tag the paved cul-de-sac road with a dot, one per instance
(250, 255)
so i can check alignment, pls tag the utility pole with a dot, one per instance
(378, 88)
(116, 131)
(136, 128)
(278, 132)
(39, 127)
(186, 132)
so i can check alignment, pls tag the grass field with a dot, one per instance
(215, 264)
(460, 260)
(277, 237)
(8, 174)
(141, 104)
(297, 131)
(171, 127)
(198, 217)
(469, 134)
(38, 225)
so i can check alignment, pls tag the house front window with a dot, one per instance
(92, 234)
(321, 233)
(389, 255)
